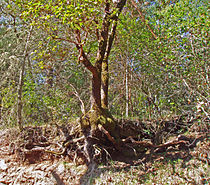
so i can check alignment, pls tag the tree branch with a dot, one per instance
(77, 95)
(104, 35)
(82, 56)
(143, 19)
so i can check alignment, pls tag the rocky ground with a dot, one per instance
(173, 166)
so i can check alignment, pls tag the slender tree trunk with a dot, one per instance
(126, 83)
(1, 111)
(21, 82)
(126, 90)
(105, 84)
(49, 80)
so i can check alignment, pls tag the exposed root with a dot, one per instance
(180, 141)
(96, 144)
(110, 138)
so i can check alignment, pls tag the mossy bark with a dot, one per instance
(113, 141)
(90, 124)
(98, 116)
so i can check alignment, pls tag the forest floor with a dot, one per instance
(173, 166)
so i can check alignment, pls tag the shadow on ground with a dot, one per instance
(140, 169)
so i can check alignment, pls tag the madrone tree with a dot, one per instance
(88, 26)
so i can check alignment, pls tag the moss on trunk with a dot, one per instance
(96, 116)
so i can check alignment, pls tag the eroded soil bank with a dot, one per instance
(54, 155)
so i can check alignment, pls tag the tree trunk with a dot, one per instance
(105, 83)
(96, 90)
(49, 80)
(100, 80)
(105, 68)
(21, 82)
(99, 118)
(126, 90)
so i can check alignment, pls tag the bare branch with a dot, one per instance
(82, 56)
(77, 95)
(143, 19)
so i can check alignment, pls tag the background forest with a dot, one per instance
(158, 65)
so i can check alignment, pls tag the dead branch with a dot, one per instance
(78, 96)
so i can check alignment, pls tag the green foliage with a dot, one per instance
(170, 71)
(50, 14)
(166, 76)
